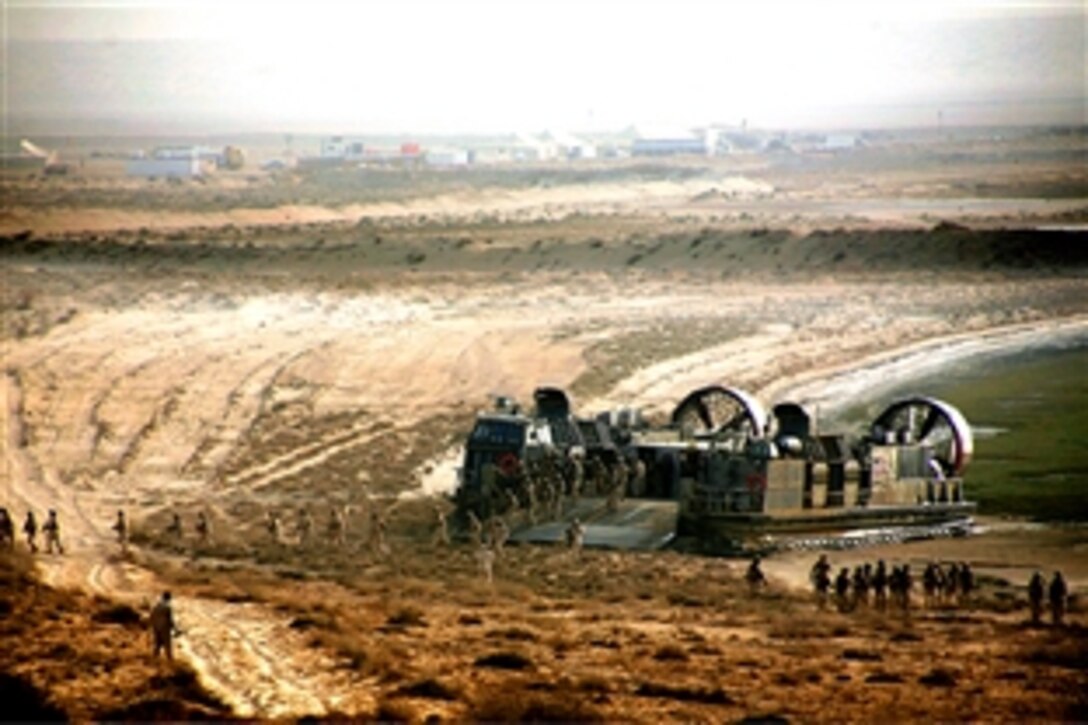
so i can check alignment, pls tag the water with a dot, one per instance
(1029, 412)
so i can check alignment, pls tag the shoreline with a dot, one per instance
(832, 390)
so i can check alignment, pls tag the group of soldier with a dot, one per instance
(489, 539)
(302, 532)
(50, 530)
(941, 587)
(540, 488)
(1057, 595)
(878, 586)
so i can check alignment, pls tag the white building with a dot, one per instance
(156, 168)
(572, 147)
(690, 146)
(446, 158)
(339, 147)
(840, 141)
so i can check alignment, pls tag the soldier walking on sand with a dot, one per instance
(500, 532)
(842, 589)
(576, 535)
(531, 497)
(931, 584)
(203, 528)
(441, 536)
(304, 524)
(638, 478)
(7, 529)
(378, 545)
(820, 577)
(577, 475)
(51, 529)
(485, 557)
(1036, 591)
(967, 583)
(174, 527)
(272, 526)
(880, 586)
(121, 528)
(475, 529)
(861, 587)
(1058, 593)
(906, 583)
(952, 584)
(163, 628)
(335, 528)
(754, 576)
(30, 528)
(511, 505)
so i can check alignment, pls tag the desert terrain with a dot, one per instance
(262, 342)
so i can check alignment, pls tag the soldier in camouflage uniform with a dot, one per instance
(203, 527)
(30, 529)
(51, 529)
(120, 527)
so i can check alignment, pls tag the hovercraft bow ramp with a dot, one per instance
(635, 525)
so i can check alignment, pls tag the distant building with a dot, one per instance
(671, 147)
(449, 158)
(339, 147)
(156, 168)
(532, 148)
(840, 141)
(175, 162)
(572, 147)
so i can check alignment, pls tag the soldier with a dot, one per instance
(967, 583)
(1057, 595)
(861, 587)
(485, 557)
(7, 529)
(499, 534)
(842, 589)
(174, 527)
(576, 534)
(1036, 590)
(557, 502)
(512, 504)
(531, 498)
(931, 584)
(577, 475)
(121, 528)
(304, 524)
(820, 577)
(203, 528)
(51, 528)
(475, 529)
(638, 478)
(880, 586)
(378, 545)
(30, 528)
(906, 583)
(489, 477)
(336, 527)
(952, 584)
(754, 576)
(441, 532)
(162, 627)
(618, 491)
(272, 526)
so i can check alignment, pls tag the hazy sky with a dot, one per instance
(455, 66)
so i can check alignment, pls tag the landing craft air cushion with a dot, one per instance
(722, 475)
